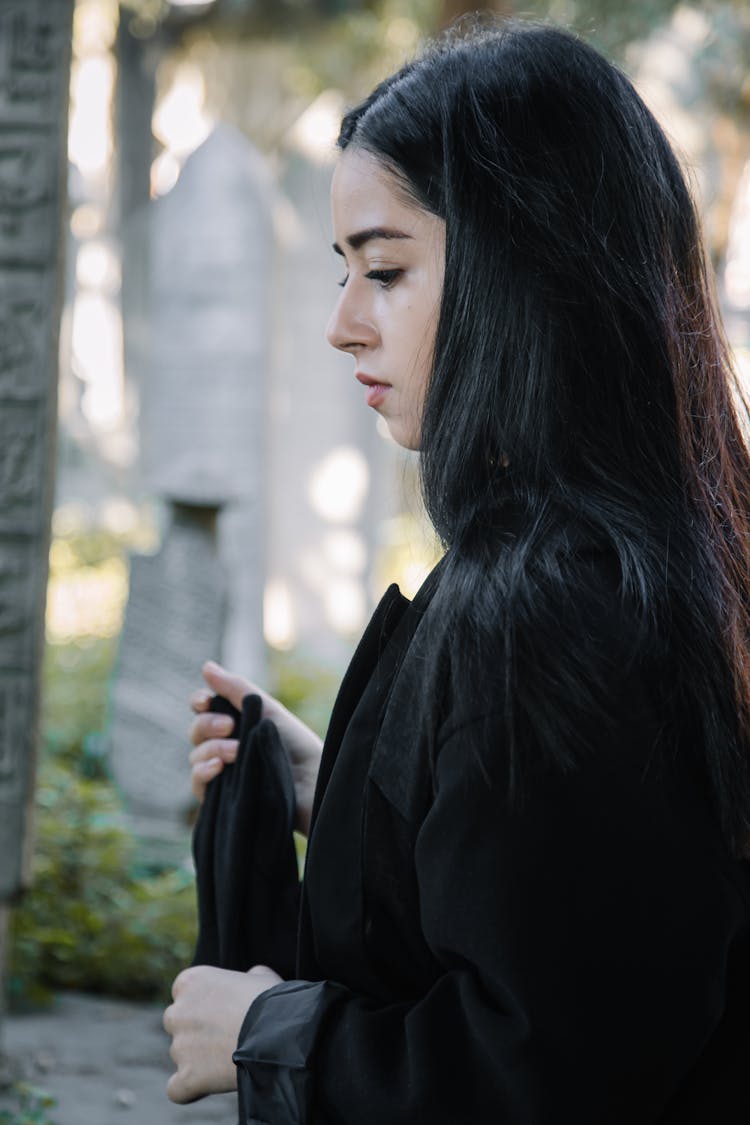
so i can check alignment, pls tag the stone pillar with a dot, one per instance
(201, 377)
(203, 401)
(35, 39)
(173, 622)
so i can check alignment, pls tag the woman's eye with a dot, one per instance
(386, 278)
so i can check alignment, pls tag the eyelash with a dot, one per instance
(386, 278)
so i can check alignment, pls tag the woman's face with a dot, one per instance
(386, 316)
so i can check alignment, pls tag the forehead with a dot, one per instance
(364, 194)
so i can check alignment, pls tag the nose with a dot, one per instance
(349, 328)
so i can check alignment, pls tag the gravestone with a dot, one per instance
(35, 39)
(203, 405)
(172, 623)
(202, 393)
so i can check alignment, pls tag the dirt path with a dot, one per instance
(106, 1062)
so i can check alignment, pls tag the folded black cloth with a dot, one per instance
(243, 847)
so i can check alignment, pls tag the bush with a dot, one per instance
(92, 920)
(95, 919)
(31, 1106)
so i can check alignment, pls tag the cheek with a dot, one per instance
(414, 349)
(414, 319)
(423, 327)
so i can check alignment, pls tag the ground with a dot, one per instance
(106, 1062)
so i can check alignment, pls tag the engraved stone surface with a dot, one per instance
(34, 43)
(15, 744)
(172, 624)
(28, 197)
(19, 591)
(22, 460)
(34, 71)
(25, 333)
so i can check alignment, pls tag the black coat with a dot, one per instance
(583, 957)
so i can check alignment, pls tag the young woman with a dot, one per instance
(526, 898)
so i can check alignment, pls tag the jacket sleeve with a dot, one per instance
(583, 938)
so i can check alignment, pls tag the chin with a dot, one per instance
(405, 438)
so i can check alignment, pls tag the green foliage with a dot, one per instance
(76, 680)
(609, 26)
(304, 689)
(30, 1106)
(92, 920)
(350, 44)
(95, 919)
(725, 59)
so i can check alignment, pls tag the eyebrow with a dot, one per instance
(357, 241)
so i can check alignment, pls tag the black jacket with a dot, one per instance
(583, 957)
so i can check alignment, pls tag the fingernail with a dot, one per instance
(212, 666)
(212, 764)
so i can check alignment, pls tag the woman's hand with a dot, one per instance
(213, 747)
(204, 1022)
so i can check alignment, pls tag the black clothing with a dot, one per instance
(582, 956)
(245, 858)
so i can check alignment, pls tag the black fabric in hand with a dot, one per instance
(207, 946)
(245, 859)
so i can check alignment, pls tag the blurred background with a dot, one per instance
(221, 489)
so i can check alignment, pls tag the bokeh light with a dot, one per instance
(314, 133)
(339, 484)
(90, 132)
(278, 615)
(180, 120)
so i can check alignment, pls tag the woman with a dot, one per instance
(526, 898)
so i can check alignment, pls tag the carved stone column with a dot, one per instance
(35, 39)
(173, 623)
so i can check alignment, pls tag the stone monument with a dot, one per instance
(202, 392)
(35, 39)
(173, 621)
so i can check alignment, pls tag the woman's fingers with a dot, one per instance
(210, 730)
(210, 725)
(207, 760)
(201, 700)
(223, 748)
(234, 688)
(201, 774)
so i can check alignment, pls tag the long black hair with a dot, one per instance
(580, 376)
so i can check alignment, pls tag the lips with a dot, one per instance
(376, 391)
